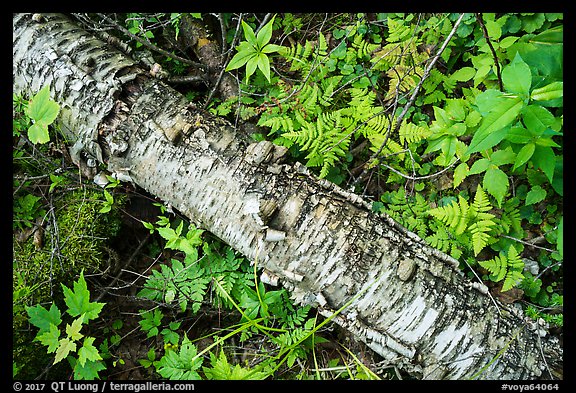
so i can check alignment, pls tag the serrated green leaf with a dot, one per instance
(88, 352)
(513, 278)
(41, 108)
(535, 195)
(479, 166)
(537, 119)
(78, 301)
(519, 135)
(507, 41)
(524, 155)
(495, 125)
(73, 331)
(494, 30)
(66, 346)
(496, 183)
(42, 318)
(167, 233)
(460, 173)
(50, 338)
(89, 371)
(503, 157)
(517, 77)
(181, 365)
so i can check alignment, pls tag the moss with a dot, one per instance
(77, 242)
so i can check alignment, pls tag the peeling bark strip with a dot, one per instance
(411, 303)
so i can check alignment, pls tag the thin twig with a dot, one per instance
(482, 283)
(223, 69)
(527, 243)
(223, 33)
(415, 92)
(485, 32)
(264, 21)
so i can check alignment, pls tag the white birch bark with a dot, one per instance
(409, 302)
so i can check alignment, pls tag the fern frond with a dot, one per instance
(388, 57)
(363, 47)
(403, 78)
(510, 217)
(508, 267)
(327, 86)
(480, 236)
(283, 123)
(455, 215)
(309, 98)
(410, 133)
(481, 202)
(377, 124)
(397, 31)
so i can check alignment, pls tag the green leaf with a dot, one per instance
(544, 159)
(270, 48)
(38, 133)
(251, 65)
(245, 53)
(489, 100)
(42, 318)
(66, 346)
(460, 173)
(494, 30)
(88, 352)
(496, 183)
(537, 119)
(264, 65)
(479, 166)
(464, 74)
(150, 322)
(50, 338)
(265, 34)
(535, 195)
(503, 157)
(519, 135)
(551, 91)
(249, 34)
(41, 108)
(73, 331)
(506, 42)
(89, 371)
(517, 77)
(78, 301)
(181, 365)
(524, 155)
(494, 127)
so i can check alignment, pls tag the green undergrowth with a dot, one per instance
(476, 165)
(58, 227)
